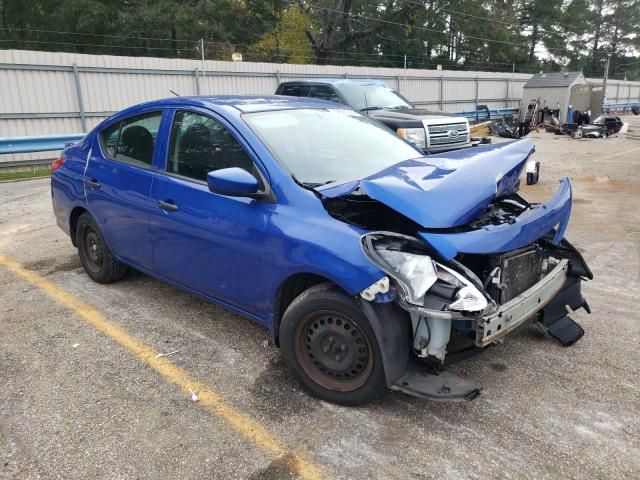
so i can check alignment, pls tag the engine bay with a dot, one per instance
(366, 213)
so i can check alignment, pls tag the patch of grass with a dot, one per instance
(21, 174)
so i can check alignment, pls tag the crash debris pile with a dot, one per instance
(582, 127)
(529, 118)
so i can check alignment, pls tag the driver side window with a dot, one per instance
(199, 144)
(324, 92)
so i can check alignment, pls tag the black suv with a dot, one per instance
(433, 132)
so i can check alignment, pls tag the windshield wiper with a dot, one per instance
(317, 184)
(366, 109)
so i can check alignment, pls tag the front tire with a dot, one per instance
(95, 256)
(329, 346)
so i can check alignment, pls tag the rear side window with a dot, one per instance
(324, 92)
(200, 144)
(132, 140)
(295, 90)
(109, 138)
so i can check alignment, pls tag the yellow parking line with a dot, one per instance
(207, 398)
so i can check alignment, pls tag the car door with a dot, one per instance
(118, 183)
(208, 242)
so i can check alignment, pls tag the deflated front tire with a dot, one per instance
(330, 347)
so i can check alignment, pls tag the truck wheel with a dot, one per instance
(95, 256)
(329, 346)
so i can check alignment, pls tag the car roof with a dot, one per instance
(243, 103)
(338, 82)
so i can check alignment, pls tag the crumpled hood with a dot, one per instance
(445, 190)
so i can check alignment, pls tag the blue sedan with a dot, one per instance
(371, 265)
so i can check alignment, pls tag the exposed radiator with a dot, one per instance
(520, 270)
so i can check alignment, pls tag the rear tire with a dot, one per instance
(330, 347)
(95, 256)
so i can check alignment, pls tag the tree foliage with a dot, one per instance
(498, 35)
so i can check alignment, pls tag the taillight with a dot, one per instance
(57, 164)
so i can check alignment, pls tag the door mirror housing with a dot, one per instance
(233, 182)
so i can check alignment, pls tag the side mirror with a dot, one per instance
(233, 182)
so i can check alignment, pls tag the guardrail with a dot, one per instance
(621, 104)
(45, 143)
(482, 114)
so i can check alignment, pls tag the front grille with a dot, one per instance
(448, 134)
(461, 127)
(449, 140)
(520, 270)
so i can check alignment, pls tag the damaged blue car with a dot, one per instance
(373, 266)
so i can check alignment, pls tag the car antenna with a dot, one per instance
(366, 104)
(176, 94)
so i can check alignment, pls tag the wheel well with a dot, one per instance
(73, 221)
(289, 290)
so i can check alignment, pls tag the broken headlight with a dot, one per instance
(416, 273)
(469, 299)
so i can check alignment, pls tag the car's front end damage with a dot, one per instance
(471, 273)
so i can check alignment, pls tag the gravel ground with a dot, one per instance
(75, 404)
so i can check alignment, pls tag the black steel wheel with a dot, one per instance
(93, 248)
(330, 347)
(333, 351)
(95, 256)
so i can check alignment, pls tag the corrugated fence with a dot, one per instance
(47, 93)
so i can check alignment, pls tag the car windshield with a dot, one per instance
(320, 146)
(362, 97)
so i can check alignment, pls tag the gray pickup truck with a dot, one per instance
(433, 132)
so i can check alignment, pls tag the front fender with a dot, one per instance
(320, 245)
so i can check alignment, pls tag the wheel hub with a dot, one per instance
(92, 247)
(336, 352)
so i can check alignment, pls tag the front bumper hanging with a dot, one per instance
(522, 308)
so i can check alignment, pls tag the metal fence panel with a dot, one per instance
(43, 93)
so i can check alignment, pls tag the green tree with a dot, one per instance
(459, 34)
(287, 42)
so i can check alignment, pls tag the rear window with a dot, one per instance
(295, 90)
(109, 139)
(132, 140)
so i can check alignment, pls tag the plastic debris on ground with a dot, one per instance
(168, 354)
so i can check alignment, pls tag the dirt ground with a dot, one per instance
(77, 403)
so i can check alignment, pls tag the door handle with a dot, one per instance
(93, 184)
(168, 206)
